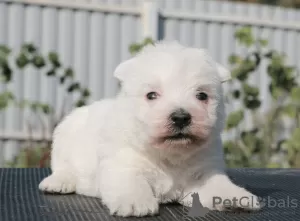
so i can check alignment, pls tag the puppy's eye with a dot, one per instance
(152, 95)
(202, 96)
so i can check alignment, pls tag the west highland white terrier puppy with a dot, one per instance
(157, 141)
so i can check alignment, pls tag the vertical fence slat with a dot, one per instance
(32, 76)
(49, 44)
(112, 53)
(81, 46)
(97, 58)
(66, 52)
(14, 40)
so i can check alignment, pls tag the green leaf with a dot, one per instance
(276, 92)
(80, 103)
(34, 106)
(251, 103)
(234, 119)
(73, 87)
(244, 36)
(263, 42)
(249, 139)
(234, 59)
(62, 79)
(5, 98)
(6, 73)
(236, 94)
(38, 61)
(51, 72)
(295, 95)
(29, 48)
(4, 50)
(244, 69)
(296, 136)
(270, 54)
(46, 108)
(250, 90)
(297, 160)
(229, 145)
(290, 149)
(134, 48)
(148, 41)
(3, 60)
(53, 58)
(69, 73)
(22, 60)
(293, 144)
(56, 64)
(273, 165)
(85, 93)
(290, 110)
(240, 73)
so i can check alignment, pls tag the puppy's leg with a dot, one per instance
(127, 193)
(219, 193)
(58, 182)
(62, 180)
(125, 188)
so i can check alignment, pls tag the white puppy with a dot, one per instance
(158, 141)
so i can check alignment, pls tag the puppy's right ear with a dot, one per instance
(124, 69)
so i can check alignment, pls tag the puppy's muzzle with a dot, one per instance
(180, 118)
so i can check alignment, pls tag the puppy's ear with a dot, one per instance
(224, 73)
(124, 69)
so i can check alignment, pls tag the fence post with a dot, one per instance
(150, 19)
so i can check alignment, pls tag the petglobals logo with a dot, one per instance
(287, 202)
(247, 202)
(196, 209)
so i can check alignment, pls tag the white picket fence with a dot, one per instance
(94, 36)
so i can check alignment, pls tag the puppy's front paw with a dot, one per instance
(58, 184)
(127, 194)
(133, 205)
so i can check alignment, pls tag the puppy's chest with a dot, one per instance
(173, 178)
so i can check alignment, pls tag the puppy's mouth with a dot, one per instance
(180, 136)
(179, 139)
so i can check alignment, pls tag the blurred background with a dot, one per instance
(56, 55)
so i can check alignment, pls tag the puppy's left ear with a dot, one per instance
(124, 69)
(224, 73)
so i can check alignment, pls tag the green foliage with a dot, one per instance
(260, 145)
(5, 98)
(5, 71)
(234, 119)
(31, 157)
(48, 65)
(244, 36)
(136, 47)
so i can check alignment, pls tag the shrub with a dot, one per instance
(51, 66)
(263, 144)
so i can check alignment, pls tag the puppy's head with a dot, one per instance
(176, 94)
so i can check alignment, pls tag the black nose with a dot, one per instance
(180, 118)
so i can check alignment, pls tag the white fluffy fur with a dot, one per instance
(114, 149)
